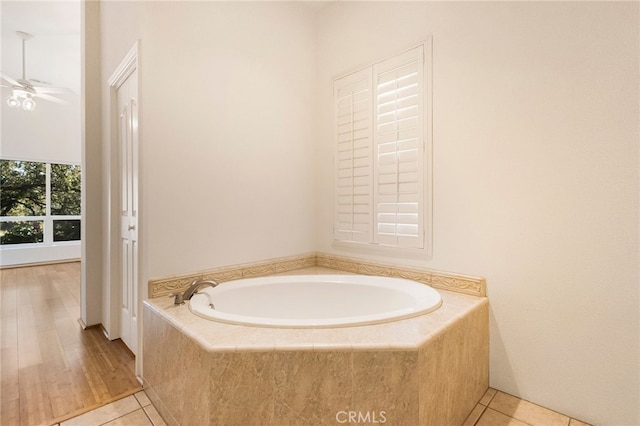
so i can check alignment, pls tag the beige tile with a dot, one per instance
(396, 335)
(574, 422)
(254, 339)
(434, 389)
(388, 381)
(154, 416)
(136, 418)
(170, 361)
(180, 315)
(314, 270)
(474, 415)
(241, 388)
(487, 397)
(311, 387)
(493, 418)
(158, 405)
(526, 411)
(106, 413)
(462, 351)
(318, 339)
(142, 398)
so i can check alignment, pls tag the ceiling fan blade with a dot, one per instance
(47, 89)
(51, 98)
(11, 81)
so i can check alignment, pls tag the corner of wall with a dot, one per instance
(92, 268)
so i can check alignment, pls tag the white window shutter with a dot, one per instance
(354, 198)
(398, 150)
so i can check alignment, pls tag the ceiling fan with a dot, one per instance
(24, 90)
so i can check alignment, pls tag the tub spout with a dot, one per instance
(195, 286)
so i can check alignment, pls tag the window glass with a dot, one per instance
(65, 189)
(25, 232)
(66, 230)
(35, 196)
(24, 188)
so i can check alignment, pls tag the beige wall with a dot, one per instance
(227, 167)
(120, 27)
(535, 167)
(92, 208)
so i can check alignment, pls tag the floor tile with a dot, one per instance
(142, 398)
(493, 418)
(154, 416)
(105, 413)
(136, 418)
(527, 412)
(474, 415)
(488, 396)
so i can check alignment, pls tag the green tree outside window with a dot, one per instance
(22, 188)
(65, 189)
(23, 193)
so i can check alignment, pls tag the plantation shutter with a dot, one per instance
(399, 150)
(353, 108)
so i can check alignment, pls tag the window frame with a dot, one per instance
(371, 246)
(48, 219)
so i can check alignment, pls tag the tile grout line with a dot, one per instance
(491, 399)
(121, 415)
(148, 418)
(509, 415)
(481, 413)
(484, 407)
(521, 399)
(144, 408)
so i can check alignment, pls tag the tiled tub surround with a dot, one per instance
(427, 370)
(437, 279)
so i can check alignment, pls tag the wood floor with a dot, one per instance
(50, 369)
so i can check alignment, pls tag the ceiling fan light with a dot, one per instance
(13, 101)
(28, 104)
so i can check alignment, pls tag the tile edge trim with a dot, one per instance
(466, 284)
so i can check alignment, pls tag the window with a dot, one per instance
(39, 202)
(381, 177)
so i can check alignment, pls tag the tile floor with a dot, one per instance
(134, 410)
(500, 409)
(494, 409)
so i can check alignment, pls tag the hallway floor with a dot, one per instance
(51, 369)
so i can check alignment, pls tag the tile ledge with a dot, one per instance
(465, 284)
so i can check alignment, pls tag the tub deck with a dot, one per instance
(426, 370)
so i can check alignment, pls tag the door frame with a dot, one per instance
(113, 193)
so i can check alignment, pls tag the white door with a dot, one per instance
(126, 96)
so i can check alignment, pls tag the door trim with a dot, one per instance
(112, 238)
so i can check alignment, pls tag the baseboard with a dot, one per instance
(27, 265)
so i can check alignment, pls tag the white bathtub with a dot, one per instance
(314, 301)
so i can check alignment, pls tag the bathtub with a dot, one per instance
(320, 301)
(426, 370)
